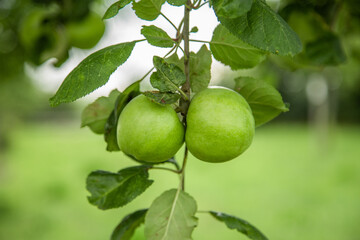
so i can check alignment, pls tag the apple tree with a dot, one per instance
(215, 124)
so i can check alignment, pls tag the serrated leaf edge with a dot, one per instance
(52, 101)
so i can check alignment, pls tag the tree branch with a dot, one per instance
(184, 104)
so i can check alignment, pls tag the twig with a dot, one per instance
(167, 169)
(184, 105)
(167, 19)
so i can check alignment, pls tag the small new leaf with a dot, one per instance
(177, 2)
(162, 97)
(194, 30)
(113, 10)
(171, 216)
(111, 125)
(148, 9)
(240, 225)
(92, 73)
(112, 190)
(200, 68)
(95, 115)
(265, 101)
(263, 28)
(126, 228)
(233, 52)
(156, 36)
(168, 77)
(231, 8)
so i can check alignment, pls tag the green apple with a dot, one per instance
(31, 27)
(41, 36)
(148, 131)
(98, 127)
(220, 125)
(86, 33)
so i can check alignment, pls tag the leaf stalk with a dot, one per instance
(167, 169)
(167, 19)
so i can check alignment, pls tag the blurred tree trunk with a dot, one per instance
(4, 141)
(317, 92)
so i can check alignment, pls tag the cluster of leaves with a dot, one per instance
(242, 40)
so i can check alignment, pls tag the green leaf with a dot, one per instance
(95, 115)
(112, 190)
(305, 21)
(174, 59)
(156, 36)
(265, 101)
(240, 225)
(233, 52)
(231, 8)
(92, 73)
(126, 228)
(327, 50)
(162, 97)
(168, 77)
(171, 216)
(111, 125)
(148, 9)
(113, 10)
(177, 2)
(200, 69)
(194, 30)
(263, 28)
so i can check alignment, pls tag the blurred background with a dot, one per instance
(299, 180)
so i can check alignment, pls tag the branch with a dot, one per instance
(184, 105)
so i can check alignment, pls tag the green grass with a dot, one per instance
(286, 184)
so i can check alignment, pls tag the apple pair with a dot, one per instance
(219, 127)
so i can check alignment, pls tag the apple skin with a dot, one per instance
(98, 127)
(86, 33)
(148, 131)
(220, 125)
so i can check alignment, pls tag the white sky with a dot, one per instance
(123, 28)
